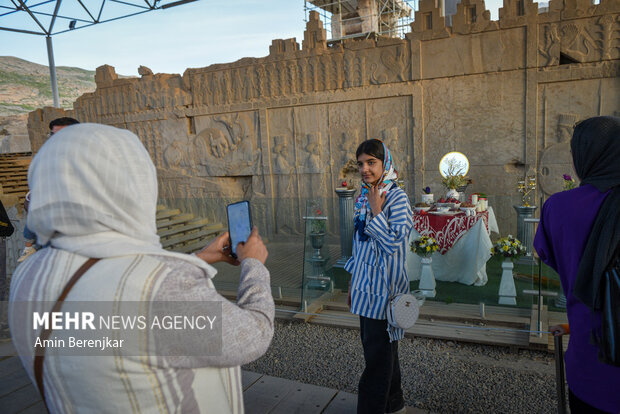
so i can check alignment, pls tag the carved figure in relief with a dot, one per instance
(336, 75)
(240, 133)
(260, 80)
(211, 146)
(301, 76)
(359, 71)
(280, 151)
(607, 35)
(311, 174)
(271, 80)
(551, 47)
(324, 74)
(175, 155)
(312, 148)
(312, 75)
(236, 85)
(218, 144)
(577, 42)
(284, 183)
(281, 78)
(291, 77)
(345, 147)
(376, 77)
(395, 60)
(348, 70)
(214, 84)
(225, 87)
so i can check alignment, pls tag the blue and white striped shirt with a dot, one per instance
(379, 261)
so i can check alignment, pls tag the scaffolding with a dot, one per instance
(343, 19)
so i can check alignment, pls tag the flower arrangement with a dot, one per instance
(454, 177)
(349, 173)
(424, 246)
(509, 247)
(427, 190)
(569, 182)
(317, 226)
(452, 182)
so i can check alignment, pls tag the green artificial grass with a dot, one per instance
(526, 277)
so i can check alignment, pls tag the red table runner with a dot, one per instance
(447, 229)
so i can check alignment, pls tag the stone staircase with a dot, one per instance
(183, 232)
(14, 174)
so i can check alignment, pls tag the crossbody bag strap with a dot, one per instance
(45, 333)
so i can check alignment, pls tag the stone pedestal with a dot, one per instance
(427, 278)
(507, 289)
(346, 204)
(525, 232)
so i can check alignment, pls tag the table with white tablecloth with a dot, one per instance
(464, 241)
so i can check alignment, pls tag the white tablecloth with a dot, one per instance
(465, 262)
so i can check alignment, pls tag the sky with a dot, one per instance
(192, 35)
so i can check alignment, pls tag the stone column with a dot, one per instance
(346, 205)
(525, 231)
(337, 29)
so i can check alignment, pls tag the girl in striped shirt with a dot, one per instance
(383, 221)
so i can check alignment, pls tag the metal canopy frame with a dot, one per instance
(37, 18)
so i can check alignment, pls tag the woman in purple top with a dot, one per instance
(578, 235)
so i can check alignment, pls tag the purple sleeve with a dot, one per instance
(542, 241)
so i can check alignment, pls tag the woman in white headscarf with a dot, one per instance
(94, 194)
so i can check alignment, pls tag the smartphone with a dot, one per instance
(239, 224)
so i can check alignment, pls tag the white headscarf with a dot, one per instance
(94, 193)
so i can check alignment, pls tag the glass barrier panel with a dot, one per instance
(316, 279)
(306, 251)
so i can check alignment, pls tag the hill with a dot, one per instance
(25, 86)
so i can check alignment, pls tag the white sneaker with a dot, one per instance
(28, 250)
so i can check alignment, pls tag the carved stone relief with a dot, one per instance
(577, 42)
(549, 50)
(468, 93)
(346, 130)
(225, 145)
(284, 198)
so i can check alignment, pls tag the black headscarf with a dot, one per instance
(596, 154)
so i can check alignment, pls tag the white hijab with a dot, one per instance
(94, 193)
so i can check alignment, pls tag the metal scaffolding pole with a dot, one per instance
(52, 65)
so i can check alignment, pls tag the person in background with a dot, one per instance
(60, 123)
(30, 239)
(578, 236)
(382, 221)
(109, 212)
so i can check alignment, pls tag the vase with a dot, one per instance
(317, 240)
(507, 289)
(427, 278)
(452, 193)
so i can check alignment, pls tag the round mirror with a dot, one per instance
(453, 163)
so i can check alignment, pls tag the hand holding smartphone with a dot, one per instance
(239, 224)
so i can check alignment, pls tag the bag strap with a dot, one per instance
(46, 332)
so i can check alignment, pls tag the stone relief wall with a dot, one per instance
(276, 130)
